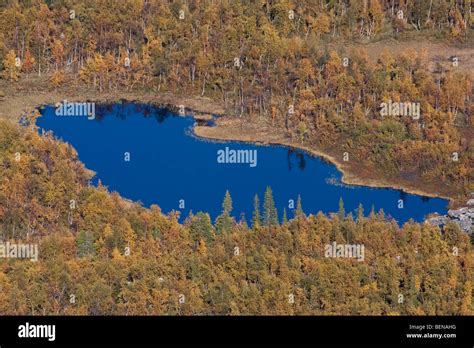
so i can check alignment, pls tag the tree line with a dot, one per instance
(103, 255)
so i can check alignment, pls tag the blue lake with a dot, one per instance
(168, 164)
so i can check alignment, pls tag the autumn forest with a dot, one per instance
(303, 71)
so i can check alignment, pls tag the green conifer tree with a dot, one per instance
(284, 219)
(201, 227)
(224, 222)
(341, 212)
(85, 244)
(299, 209)
(270, 214)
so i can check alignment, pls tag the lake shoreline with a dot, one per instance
(226, 133)
(199, 108)
(16, 103)
(174, 155)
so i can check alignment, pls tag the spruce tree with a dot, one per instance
(85, 244)
(270, 215)
(360, 213)
(299, 209)
(201, 227)
(224, 222)
(284, 219)
(227, 203)
(342, 212)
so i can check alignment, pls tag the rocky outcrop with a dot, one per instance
(464, 217)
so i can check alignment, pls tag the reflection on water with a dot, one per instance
(296, 156)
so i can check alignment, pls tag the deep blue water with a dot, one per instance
(167, 164)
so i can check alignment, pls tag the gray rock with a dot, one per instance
(437, 220)
(464, 217)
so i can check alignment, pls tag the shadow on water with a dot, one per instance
(124, 110)
(296, 156)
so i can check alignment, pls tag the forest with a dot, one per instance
(281, 65)
(101, 255)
